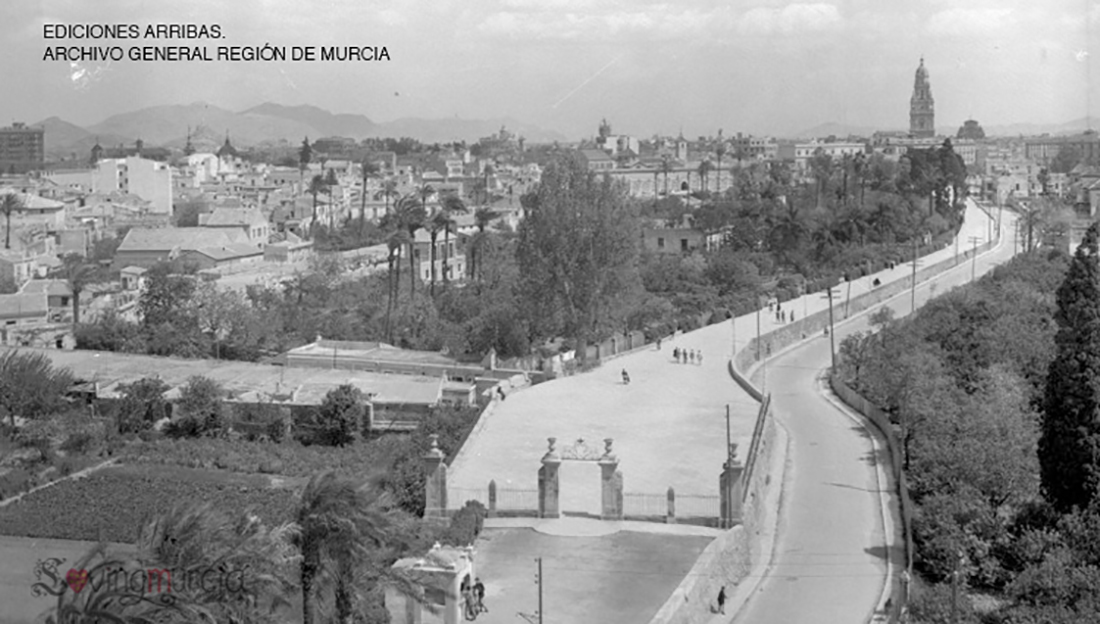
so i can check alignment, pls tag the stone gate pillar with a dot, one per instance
(548, 483)
(435, 481)
(611, 485)
(730, 488)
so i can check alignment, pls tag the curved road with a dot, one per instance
(839, 522)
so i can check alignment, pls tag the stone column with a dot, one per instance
(435, 483)
(731, 489)
(548, 483)
(611, 485)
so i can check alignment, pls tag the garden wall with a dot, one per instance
(898, 591)
(731, 557)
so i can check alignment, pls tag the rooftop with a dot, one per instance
(166, 239)
(244, 380)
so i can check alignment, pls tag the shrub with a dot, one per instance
(142, 404)
(340, 416)
(78, 442)
(466, 524)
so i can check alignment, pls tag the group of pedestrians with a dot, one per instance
(474, 596)
(686, 356)
(781, 315)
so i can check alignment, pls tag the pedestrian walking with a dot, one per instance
(479, 591)
(676, 354)
(658, 343)
(691, 355)
(777, 316)
(722, 600)
(626, 377)
(792, 316)
(699, 356)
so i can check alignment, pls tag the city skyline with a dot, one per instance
(757, 67)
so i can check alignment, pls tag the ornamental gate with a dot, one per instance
(611, 480)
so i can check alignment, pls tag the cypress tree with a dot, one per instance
(1069, 447)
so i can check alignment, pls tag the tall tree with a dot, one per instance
(11, 202)
(577, 250)
(316, 187)
(387, 192)
(705, 168)
(450, 205)
(370, 170)
(30, 385)
(340, 526)
(410, 214)
(482, 218)
(305, 155)
(1069, 447)
(666, 168)
(77, 273)
(719, 151)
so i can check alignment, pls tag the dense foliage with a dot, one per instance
(966, 381)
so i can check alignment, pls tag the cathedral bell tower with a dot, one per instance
(922, 122)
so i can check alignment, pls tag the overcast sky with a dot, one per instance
(754, 66)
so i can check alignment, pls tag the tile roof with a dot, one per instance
(167, 239)
(23, 305)
(231, 216)
(49, 287)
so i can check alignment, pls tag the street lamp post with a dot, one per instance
(832, 328)
(974, 258)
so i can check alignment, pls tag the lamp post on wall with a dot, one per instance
(831, 329)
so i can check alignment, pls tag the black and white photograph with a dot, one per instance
(550, 311)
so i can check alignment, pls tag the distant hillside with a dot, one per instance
(267, 123)
(1028, 129)
(158, 125)
(323, 122)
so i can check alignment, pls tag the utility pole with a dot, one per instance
(758, 308)
(955, 574)
(538, 581)
(831, 329)
(729, 449)
(957, 249)
(974, 258)
(913, 288)
(848, 299)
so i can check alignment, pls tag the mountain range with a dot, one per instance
(208, 124)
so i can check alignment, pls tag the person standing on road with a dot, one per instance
(676, 354)
(479, 592)
(699, 357)
(722, 600)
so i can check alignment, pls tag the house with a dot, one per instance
(59, 297)
(287, 247)
(209, 248)
(597, 160)
(452, 251)
(20, 309)
(17, 267)
(133, 278)
(682, 238)
(250, 221)
(37, 211)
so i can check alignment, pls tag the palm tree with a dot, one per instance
(451, 204)
(387, 192)
(396, 239)
(340, 527)
(720, 151)
(370, 170)
(705, 168)
(11, 202)
(666, 168)
(410, 215)
(188, 540)
(482, 218)
(77, 273)
(316, 186)
(434, 225)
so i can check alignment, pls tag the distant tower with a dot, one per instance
(188, 149)
(605, 129)
(681, 148)
(922, 116)
(97, 153)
